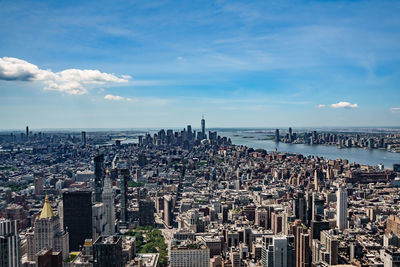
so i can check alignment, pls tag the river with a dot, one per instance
(359, 155)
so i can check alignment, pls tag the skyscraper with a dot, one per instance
(146, 212)
(203, 128)
(10, 250)
(77, 207)
(108, 200)
(48, 234)
(83, 138)
(277, 138)
(98, 176)
(123, 179)
(341, 208)
(27, 132)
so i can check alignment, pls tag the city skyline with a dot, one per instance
(163, 64)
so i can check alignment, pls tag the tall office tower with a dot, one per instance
(280, 252)
(77, 215)
(10, 248)
(123, 180)
(83, 138)
(302, 244)
(310, 206)
(225, 211)
(341, 209)
(279, 249)
(98, 176)
(203, 128)
(299, 207)
(47, 234)
(316, 180)
(108, 201)
(277, 138)
(290, 134)
(168, 212)
(107, 251)
(189, 132)
(146, 212)
(317, 207)
(27, 132)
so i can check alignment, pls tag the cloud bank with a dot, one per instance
(395, 110)
(341, 104)
(344, 105)
(69, 81)
(113, 97)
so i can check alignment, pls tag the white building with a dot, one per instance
(341, 209)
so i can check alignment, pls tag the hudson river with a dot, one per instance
(359, 155)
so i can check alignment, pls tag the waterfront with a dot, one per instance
(257, 139)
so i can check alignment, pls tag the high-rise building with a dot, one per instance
(168, 212)
(10, 248)
(77, 215)
(299, 206)
(107, 251)
(27, 132)
(83, 138)
(189, 132)
(109, 207)
(290, 134)
(277, 138)
(47, 234)
(203, 128)
(146, 212)
(331, 245)
(98, 177)
(302, 244)
(279, 252)
(123, 180)
(341, 209)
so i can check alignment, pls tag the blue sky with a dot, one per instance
(135, 64)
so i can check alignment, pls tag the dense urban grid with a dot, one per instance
(187, 198)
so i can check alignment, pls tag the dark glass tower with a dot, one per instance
(146, 212)
(124, 194)
(107, 251)
(77, 216)
(203, 128)
(98, 177)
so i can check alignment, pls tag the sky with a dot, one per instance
(138, 64)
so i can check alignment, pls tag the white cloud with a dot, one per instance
(113, 97)
(70, 81)
(342, 104)
(320, 106)
(395, 110)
